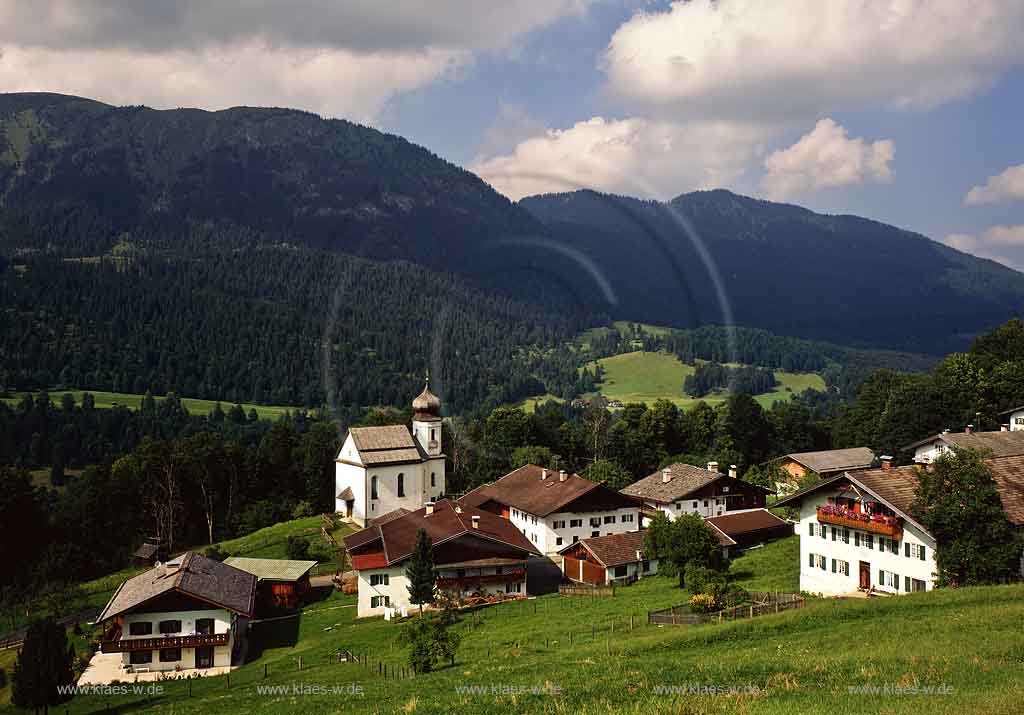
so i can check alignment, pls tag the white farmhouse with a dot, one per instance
(1014, 419)
(185, 616)
(554, 509)
(475, 552)
(685, 489)
(381, 469)
(608, 560)
(1001, 443)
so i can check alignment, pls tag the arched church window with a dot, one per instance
(401, 484)
(373, 487)
(433, 479)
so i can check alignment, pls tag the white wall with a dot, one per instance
(542, 532)
(930, 451)
(221, 624)
(816, 580)
(632, 570)
(397, 588)
(1017, 421)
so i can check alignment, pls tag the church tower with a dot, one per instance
(426, 420)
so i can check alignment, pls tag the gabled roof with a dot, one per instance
(448, 521)
(1011, 410)
(388, 444)
(613, 549)
(1008, 473)
(737, 523)
(834, 460)
(271, 569)
(685, 479)
(1000, 444)
(525, 489)
(385, 518)
(193, 575)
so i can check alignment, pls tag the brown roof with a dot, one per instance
(685, 479)
(834, 460)
(742, 522)
(1000, 444)
(449, 521)
(614, 549)
(526, 490)
(346, 494)
(385, 518)
(896, 486)
(194, 575)
(389, 444)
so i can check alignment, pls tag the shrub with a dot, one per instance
(703, 603)
(297, 548)
(303, 508)
(216, 553)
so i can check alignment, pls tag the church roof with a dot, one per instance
(388, 444)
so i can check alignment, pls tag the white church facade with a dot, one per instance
(383, 469)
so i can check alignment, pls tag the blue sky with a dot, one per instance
(906, 111)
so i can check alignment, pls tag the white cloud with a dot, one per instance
(512, 125)
(335, 57)
(1007, 186)
(1004, 244)
(826, 158)
(634, 156)
(794, 58)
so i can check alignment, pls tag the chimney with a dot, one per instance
(969, 429)
(561, 475)
(945, 431)
(666, 476)
(639, 555)
(543, 474)
(1004, 428)
(458, 509)
(429, 508)
(733, 471)
(476, 521)
(886, 462)
(712, 466)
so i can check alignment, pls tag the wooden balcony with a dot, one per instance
(889, 526)
(124, 645)
(465, 583)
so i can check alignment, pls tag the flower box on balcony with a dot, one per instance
(890, 526)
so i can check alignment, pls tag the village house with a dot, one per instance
(280, 583)
(475, 552)
(1001, 443)
(857, 533)
(685, 489)
(554, 509)
(1014, 419)
(740, 530)
(606, 560)
(380, 469)
(189, 615)
(824, 463)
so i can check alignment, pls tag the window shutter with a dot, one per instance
(881, 577)
(833, 565)
(810, 528)
(906, 549)
(810, 560)
(920, 552)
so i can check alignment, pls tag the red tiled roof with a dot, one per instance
(369, 561)
(614, 549)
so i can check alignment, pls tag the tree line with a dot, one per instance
(709, 377)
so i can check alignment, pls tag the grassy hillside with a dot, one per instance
(647, 376)
(106, 400)
(800, 661)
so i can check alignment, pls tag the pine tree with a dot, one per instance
(43, 665)
(420, 571)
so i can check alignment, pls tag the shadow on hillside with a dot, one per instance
(280, 633)
(317, 594)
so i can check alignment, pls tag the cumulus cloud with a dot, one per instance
(336, 57)
(797, 57)
(826, 158)
(633, 156)
(1004, 244)
(1007, 186)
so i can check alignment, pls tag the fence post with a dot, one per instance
(264, 670)
(300, 662)
(630, 621)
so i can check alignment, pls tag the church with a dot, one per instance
(381, 470)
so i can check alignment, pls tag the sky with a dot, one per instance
(906, 111)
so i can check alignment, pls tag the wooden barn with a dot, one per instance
(280, 583)
(611, 559)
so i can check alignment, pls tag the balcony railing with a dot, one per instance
(891, 526)
(124, 645)
(466, 582)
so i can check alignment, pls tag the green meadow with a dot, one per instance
(106, 400)
(932, 652)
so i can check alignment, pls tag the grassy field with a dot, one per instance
(105, 400)
(646, 377)
(522, 658)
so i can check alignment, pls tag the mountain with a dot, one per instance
(703, 255)
(81, 179)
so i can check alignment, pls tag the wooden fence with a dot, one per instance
(761, 603)
(582, 589)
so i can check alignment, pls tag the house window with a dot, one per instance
(678, 506)
(558, 541)
(170, 626)
(595, 521)
(810, 528)
(915, 551)
(645, 566)
(889, 579)
(140, 628)
(204, 626)
(373, 487)
(627, 518)
(841, 567)
(379, 579)
(856, 538)
(620, 571)
(401, 484)
(824, 532)
(575, 523)
(609, 520)
(846, 536)
(705, 503)
(138, 657)
(170, 655)
(575, 539)
(558, 524)
(916, 584)
(433, 479)
(514, 587)
(433, 435)
(817, 560)
(835, 533)
(869, 541)
(378, 601)
(695, 505)
(595, 533)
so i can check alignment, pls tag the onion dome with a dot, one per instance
(427, 403)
